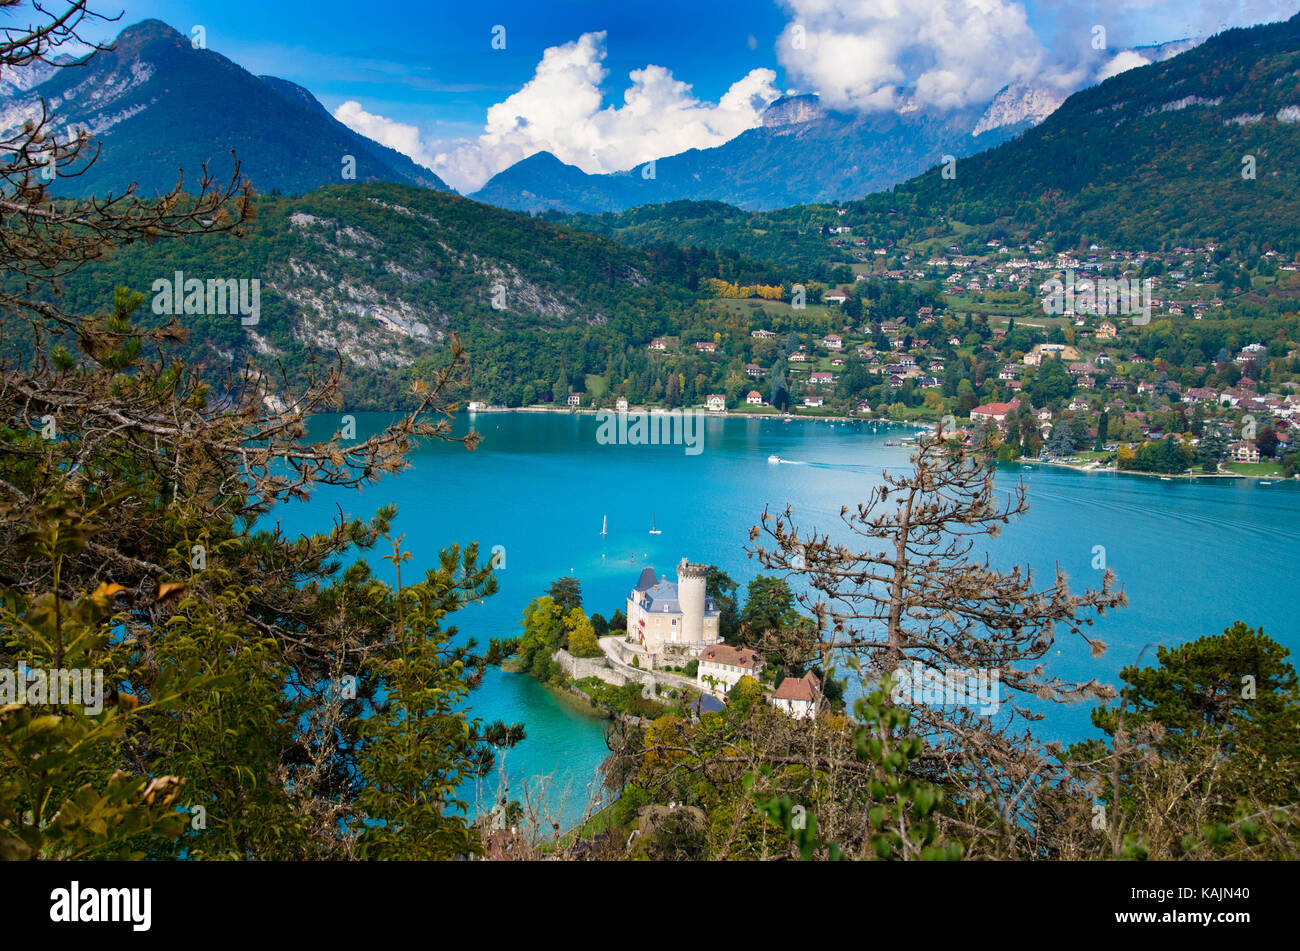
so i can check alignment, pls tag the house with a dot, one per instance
(1244, 451)
(1007, 373)
(993, 412)
(1106, 330)
(833, 342)
(721, 665)
(716, 402)
(800, 697)
(813, 401)
(837, 361)
(621, 404)
(575, 399)
(658, 344)
(706, 346)
(798, 357)
(821, 378)
(834, 297)
(753, 370)
(763, 334)
(754, 398)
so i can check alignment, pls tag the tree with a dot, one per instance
(581, 635)
(912, 603)
(1060, 442)
(769, 606)
(241, 663)
(719, 586)
(1216, 714)
(566, 592)
(1266, 442)
(1211, 449)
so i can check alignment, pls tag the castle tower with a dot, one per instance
(690, 595)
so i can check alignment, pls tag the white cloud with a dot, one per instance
(874, 55)
(871, 55)
(396, 135)
(559, 110)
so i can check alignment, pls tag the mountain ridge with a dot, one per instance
(140, 99)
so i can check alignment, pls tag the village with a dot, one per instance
(1086, 378)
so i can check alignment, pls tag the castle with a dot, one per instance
(679, 616)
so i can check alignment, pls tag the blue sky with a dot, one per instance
(423, 77)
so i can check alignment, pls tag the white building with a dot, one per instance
(800, 697)
(721, 666)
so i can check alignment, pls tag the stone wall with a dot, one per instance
(582, 667)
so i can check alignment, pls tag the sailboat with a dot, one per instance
(604, 525)
(653, 530)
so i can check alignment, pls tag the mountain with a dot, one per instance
(381, 274)
(799, 153)
(1201, 147)
(157, 105)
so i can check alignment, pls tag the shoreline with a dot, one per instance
(777, 417)
(715, 414)
(1111, 470)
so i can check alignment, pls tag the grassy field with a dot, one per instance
(1255, 468)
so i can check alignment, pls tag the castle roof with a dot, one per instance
(647, 579)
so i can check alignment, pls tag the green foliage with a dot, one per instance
(410, 779)
(902, 816)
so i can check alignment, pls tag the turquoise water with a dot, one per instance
(1193, 556)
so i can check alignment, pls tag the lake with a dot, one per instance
(1193, 556)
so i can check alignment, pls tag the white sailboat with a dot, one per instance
(604, 525)
(653, 530)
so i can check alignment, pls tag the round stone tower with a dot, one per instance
(690, 595)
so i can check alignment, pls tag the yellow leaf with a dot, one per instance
(170, 589)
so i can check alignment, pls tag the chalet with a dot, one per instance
(754, 398)
(1106, 330)
(658, 344)
(832, 342)
(798, 357)
(753, 370)
(821, 378)
(763, 334)
(716, 402)
(706, 346)
(800, 697)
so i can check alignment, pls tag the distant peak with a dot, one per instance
(148, 30)
(792, 110)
